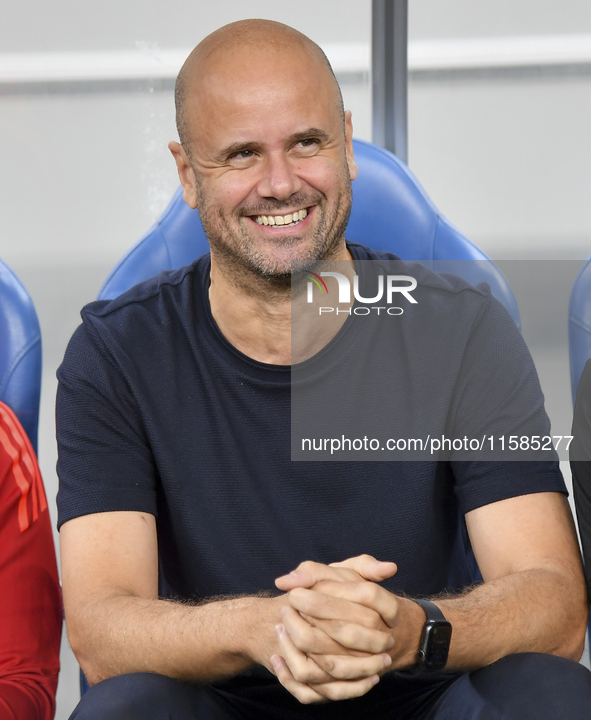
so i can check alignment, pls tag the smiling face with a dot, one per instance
(271, 161)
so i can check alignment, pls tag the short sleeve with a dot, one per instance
(499, 397)
(104, 463)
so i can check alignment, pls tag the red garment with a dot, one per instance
(30, 596)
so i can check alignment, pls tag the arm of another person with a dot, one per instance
(30, 600)
(580, 463)
(116, 623)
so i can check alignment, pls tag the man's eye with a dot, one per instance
(242, 155)
(308, 141)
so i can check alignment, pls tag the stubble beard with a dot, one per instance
(250, 266)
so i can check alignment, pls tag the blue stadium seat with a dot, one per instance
(391, 212)
(579, 325)
(20, 352)
(579, 336)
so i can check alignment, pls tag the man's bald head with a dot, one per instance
(236, 48)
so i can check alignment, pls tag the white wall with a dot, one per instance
(37, 26)
(508, 160)
(483, 18)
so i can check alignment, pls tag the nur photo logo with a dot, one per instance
(392, 286)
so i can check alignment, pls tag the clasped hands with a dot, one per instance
(335, 635)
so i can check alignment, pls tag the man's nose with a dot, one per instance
(279, 179)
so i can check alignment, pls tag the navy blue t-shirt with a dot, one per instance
(158, 413)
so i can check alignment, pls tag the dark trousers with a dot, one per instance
(528, 686)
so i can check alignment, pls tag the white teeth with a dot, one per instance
(289, 219)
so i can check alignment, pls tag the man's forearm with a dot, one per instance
(530, 611)
(535, 610)
(533, 598)
(122, 634)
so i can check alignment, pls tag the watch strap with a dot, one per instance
(432, 611)
(434, 615)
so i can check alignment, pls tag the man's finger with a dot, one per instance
(368, 594)
(347, 667)
(355, 637)
(309, 573)
(312, 640)
(303, 668)
(320, 669)
(325, 606)
(306, 694)
(347, 689)
(368, 567)
(363, 567)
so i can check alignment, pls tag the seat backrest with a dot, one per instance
(20, 352)
(579, 325)
(391, 212)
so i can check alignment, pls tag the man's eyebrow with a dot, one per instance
(309, 133)
(236, 147)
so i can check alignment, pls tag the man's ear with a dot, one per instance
(186, 174)
(349, 146)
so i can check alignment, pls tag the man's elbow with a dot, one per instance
(81, 647)
(571, 642)
(575, 648)
(87, 646)
(568, 605)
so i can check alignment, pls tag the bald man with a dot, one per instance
(182, 515)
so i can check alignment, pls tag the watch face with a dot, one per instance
(437, 638)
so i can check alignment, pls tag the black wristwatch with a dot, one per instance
(434, 647)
